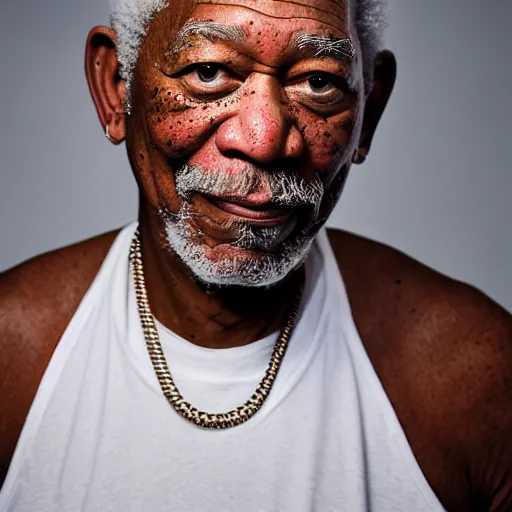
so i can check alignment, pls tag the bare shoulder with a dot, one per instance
(401, 301)
(443, 351)
(37, 300)
(37, 296)
(374, 271)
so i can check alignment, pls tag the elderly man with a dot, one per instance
(226, 352)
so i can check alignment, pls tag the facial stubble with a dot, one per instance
(257, 258)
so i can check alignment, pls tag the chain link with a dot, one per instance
(170, 390)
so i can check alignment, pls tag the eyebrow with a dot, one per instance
(326, 46)
(341, 49)
(208, 30)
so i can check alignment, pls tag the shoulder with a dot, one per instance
(411, 296)
(421, 309)
(37, 300)
(39, 294)
(443, 351)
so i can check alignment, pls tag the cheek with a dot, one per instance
(330, 141)
(177, 125)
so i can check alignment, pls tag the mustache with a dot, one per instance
(285, 188)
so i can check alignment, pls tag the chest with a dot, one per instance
(108, 440)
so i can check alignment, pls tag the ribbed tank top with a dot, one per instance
(100, 436)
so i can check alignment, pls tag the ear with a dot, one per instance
(105, 85)
(376, 101)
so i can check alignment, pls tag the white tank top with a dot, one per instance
(100, 436)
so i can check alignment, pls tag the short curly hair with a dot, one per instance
(130, 19)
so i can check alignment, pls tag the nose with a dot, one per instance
(262, 128)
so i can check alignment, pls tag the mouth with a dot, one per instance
(265, 214)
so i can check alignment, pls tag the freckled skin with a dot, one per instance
(258, 120)
(261, 119)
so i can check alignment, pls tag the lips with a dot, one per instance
(253, 212)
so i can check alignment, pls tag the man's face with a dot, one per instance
(242, 130)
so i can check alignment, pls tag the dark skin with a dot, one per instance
(442, 350)
(209, 131)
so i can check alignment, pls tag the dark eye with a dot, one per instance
(207, 72)
(320, 83)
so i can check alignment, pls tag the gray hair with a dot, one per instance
(130, 19)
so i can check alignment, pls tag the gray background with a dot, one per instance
(436, 184)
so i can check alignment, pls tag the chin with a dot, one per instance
(246, 262)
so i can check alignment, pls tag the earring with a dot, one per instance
(107, 134)
(358, 157)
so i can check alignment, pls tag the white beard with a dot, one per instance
(243, 268)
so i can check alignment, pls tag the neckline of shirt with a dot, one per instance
(236, 364)
(221, 367)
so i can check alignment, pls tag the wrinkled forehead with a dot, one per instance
(325, 15)
(331, 12)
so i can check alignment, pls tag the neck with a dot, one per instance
(212, 317)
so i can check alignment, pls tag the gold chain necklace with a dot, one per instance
(170, 390)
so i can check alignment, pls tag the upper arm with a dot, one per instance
(37, 301)
(484, 372)
(466, 388)
(443, 352)
(25, 348)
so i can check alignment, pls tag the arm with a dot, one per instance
(443, 352)
(37, 301)
(485, 402)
